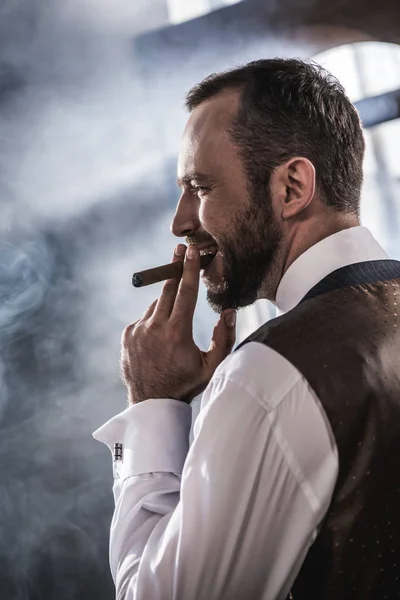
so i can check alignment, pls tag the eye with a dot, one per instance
(199, 189)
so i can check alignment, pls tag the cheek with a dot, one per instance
(208, 216)
(213, 217)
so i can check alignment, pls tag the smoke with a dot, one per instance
(50, 486)
(72, 115)
(72, 129)
(86, 198)
(24, 272)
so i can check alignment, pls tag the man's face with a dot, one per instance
(219, 207)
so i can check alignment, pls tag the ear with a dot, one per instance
(295, 181)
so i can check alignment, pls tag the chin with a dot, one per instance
(221, 299)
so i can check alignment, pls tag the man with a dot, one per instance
(292, 483)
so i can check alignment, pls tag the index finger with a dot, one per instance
(166, 300)
(186, 298)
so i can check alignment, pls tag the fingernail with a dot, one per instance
(180, 250)
(191, 251)
(230, 319)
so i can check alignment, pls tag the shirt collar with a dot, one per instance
(346, 247)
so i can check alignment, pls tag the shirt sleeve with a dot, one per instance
(154, 436)
(237, 520)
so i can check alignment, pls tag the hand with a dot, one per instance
(159, 358)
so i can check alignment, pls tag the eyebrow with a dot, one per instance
(195, 175)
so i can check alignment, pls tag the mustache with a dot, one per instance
(196, 241)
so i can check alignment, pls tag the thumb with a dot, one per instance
(223, 339)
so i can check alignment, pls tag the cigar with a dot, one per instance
(170, 271)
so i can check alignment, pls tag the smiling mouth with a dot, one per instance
(209, 250)
(207, 256)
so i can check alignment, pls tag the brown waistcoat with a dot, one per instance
(344, 337)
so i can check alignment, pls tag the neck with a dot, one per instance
(298, 238)
(304, 237)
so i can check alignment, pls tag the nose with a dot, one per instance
(186, 219)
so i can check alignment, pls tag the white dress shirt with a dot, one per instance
(233, 516)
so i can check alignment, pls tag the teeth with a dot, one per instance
(210, 250)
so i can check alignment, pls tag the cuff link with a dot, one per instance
(117, 459)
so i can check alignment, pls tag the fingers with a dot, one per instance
(127, 332)
(223, 339)
(186, 298)
(149, 312)
(129, 328)
(166, 300)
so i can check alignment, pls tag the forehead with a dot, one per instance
(205, 142)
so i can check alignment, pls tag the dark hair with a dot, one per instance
(292, 107)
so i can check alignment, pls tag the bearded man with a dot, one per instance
(291, 485)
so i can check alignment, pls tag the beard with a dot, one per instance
(248, 256)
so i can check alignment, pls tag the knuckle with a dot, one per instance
(230, 344)
(231, 339)
(125, 335)
(152, 326)
(187, 290)
(169, 287)
(128, 332)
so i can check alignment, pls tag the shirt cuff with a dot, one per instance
(154, 435)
